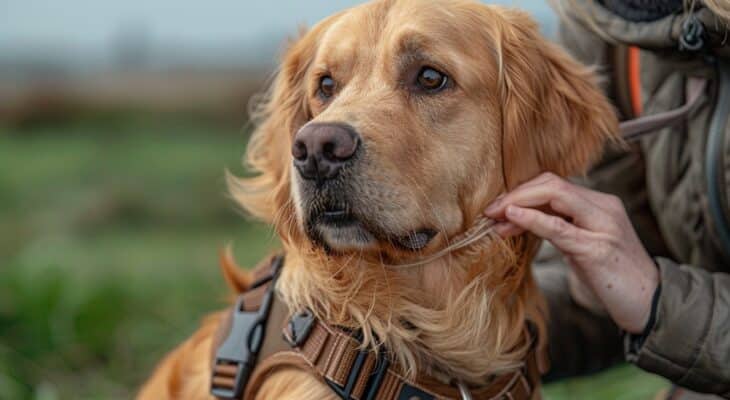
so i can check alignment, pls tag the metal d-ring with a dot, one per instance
(463, 391)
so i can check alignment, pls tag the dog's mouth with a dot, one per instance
(415, 240)
(340, 229)
(338, 217)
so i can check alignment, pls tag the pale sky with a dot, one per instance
(90, 26)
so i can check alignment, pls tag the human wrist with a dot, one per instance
(650, 290)
(634, 342)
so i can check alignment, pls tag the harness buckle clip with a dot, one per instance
(299, 327)
(235, 359)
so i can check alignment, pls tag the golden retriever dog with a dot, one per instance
(388, 130)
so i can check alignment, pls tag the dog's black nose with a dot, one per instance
(321, 149)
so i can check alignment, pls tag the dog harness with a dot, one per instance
(259, 337)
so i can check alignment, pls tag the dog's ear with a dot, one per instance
(554, 116)
(277, 117)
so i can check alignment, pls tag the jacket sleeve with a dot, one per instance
(689, 342)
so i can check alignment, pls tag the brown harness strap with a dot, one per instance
(332, 353)
(357, 373)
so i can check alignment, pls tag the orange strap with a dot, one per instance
(634, 72)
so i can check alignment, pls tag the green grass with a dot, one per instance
(109, 232)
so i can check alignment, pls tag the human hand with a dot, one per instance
(595, 235)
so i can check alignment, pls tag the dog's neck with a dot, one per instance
(458, 317)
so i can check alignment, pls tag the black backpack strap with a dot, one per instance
(714, 163)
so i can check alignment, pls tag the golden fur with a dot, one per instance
(519, 105)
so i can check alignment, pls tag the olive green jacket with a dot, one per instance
(661, 180)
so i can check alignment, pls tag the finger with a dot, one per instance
(498, 204)
(562, 234)
(534, 181)
(559, 198)
(542, 178)
(602, 200)
(507, 229)
(599, 199)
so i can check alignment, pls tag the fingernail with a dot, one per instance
(513, 211)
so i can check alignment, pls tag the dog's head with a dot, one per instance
(392, 125)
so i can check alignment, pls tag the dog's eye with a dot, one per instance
(431, 80)
(327, 86)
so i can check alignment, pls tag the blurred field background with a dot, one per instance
(112, 199)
